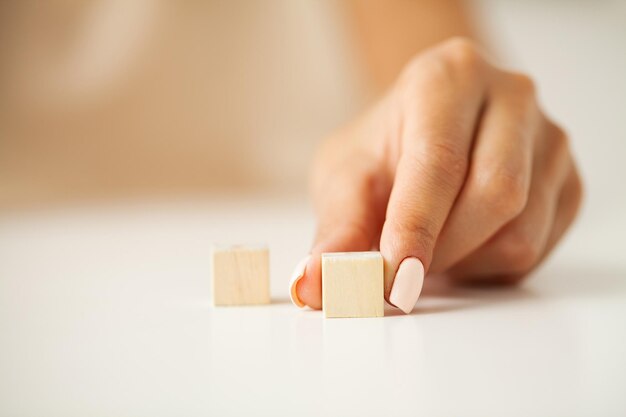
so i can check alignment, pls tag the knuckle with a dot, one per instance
(519, 251)
(461, 53)
(423, 74)
(521, 92)
(449, 162)
(417, 231)
(418, 73)
(455, 60)
(524, 85)
(560, 138)
(558, 153)
(504, 193)
(423, 235)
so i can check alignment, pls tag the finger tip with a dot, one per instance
(304, 288)
(297, 274)
(293, 294)
(308, 287)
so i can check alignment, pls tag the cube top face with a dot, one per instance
(353, 284)
(352, 255)
(238, 247)
(240, 275)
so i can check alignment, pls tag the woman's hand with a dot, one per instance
(455, 170)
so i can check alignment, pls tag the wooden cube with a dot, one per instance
(240, 275)
(352, 284)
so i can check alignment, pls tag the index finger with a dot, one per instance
(440, 120)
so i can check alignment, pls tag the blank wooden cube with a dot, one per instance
(352, 284)
(240, 275)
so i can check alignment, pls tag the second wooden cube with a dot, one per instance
(240, 275)
(352, 284)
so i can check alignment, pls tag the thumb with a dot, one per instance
(350, 210)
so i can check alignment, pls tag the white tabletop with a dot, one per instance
(105, 311)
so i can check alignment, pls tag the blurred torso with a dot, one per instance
(120, 97)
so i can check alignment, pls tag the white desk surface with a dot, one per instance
(105, 311)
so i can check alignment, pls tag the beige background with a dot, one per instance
(119, 97)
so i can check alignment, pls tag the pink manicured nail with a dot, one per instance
(297, 274)
(407, 285)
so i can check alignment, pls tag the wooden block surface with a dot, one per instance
(352, 284)
(240, 275)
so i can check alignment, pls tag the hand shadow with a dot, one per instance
(552, 282)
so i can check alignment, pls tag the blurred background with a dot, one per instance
(117, 99)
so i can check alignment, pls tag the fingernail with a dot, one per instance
(407, 285)
(297, 274)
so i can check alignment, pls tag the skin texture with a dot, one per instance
(456, 165)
